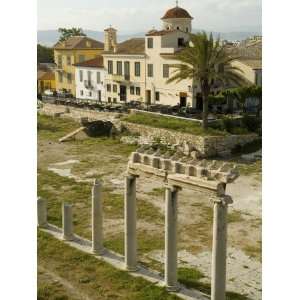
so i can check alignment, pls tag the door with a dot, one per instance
(123, 95)
(148, 97)
(182, 99)
(99, 96)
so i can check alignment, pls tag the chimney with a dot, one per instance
(110, 39)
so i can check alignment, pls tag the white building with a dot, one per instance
(89, 78)
(138, 69)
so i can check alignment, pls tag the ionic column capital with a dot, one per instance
(224, 200)
(173, 188)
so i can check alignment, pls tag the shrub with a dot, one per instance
(252, 123)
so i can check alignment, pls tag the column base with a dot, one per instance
(98, 251)
(131, 269)
(44, 225)
(172, 288)
(68, 238)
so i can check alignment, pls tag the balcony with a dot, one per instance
(118, 78)
(88, 84)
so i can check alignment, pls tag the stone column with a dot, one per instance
(130, 223)
(171, 238)
(67, 222)
(218, 271)
(97, 219)
(42, 212)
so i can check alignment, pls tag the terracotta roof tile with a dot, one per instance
(92, 63)
(131, 46)
(175, 13)
(159, 32)
(79, 42)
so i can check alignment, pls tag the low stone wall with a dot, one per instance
(207, 146)
(77, 113)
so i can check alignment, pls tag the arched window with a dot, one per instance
(178, 28)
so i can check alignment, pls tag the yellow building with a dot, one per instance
(45, 81)
(74, 50)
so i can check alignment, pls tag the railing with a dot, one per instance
(88, 84)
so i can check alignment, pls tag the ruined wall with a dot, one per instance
(207, 146)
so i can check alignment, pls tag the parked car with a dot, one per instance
(49, 93)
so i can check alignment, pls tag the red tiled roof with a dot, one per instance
(79, 42)
(175, 13)
(92, 63)
(131, 46)
(159, 32)
(42, 75)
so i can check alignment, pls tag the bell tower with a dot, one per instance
(110, 39)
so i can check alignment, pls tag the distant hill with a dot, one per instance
(50, 37)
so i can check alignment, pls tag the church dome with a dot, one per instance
(176, 13)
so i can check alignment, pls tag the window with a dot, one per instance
(81, 58)
(80, 75)
(115, 100)
(81, 93)
(60, 77)
(110, 68)
(132, 90)
(68, 60)
(89, 73)
(178, 28)
(69, 77)
(127, 70)
(137, 91)
(115, 88)
(119, 68)
(98, 77)
(165, 71)
(180, 42)
(156, 96)
(59, 61)
(108, 87)
(150, 43)
(137, 69)
(109, 99)
(150, 70)
(90, 94)
(187, 29)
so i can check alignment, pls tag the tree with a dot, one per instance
(205, 61)
(65, 33)
(44, 54)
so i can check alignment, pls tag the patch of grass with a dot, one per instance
(250, 168)
(172, 124)
(146, 242)
(253, 251)
(234, 217)
(157, 192)
(54, 128)
(50, 290)
(247, 148)
(101, 281)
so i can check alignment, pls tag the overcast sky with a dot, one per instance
(141, 15)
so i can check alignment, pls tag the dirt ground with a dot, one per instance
(83, 161)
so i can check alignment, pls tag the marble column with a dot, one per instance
(42, 212)
(171, 194)
(97, 219)
(218, 272)
(67, 222)
(130, 223)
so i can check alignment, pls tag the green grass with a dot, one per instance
(250, 168)
(54, 128)
(91, 276)
(171, 123)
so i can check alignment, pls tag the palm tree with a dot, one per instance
(207, 62)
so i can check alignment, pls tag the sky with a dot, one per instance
(133, 16)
